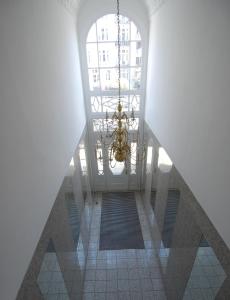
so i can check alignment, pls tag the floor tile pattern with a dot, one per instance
(122, 274)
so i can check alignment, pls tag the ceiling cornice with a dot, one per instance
(70, 5)
(154, 5)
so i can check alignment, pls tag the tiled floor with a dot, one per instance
(184, 258)
(122, 274)
(185, 268)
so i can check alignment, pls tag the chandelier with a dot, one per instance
(115, 135)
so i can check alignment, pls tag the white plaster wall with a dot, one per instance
(41, 120)
(188, 98)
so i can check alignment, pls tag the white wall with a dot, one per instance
(188, 98)
(41, 120)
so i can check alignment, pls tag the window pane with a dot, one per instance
(125, 103)
(92, 37)
(124, 21)
(124, 30)
(102, 125)
(83, 167)
(124, 56)
(98, 125)
(109, 79)
(133, 159)
(92, 57)
(149, 155)
(149, 159)
(82, 154)
(94, 81)
(135, 34)
(134, 102)
(110, 103)
(96, 104)
(100, 166)
(107, 54)
(83, 161)
(116, 167)
(135, 82)
(136, 53)
(107, 28)
(125, 79)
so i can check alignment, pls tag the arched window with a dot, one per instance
(102, 66)
(102, 59)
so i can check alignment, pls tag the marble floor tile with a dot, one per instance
(139, 273)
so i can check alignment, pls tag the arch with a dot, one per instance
(98, 101)
(92, 10)
(102, 60)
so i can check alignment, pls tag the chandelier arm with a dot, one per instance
(131, 121)
(114, 133)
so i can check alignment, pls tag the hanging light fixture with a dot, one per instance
(115, 135)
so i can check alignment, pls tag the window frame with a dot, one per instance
(142, 24)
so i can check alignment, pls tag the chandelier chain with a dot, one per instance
(119, 51)
(118, 139)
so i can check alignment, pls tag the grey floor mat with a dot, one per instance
(120, 225)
